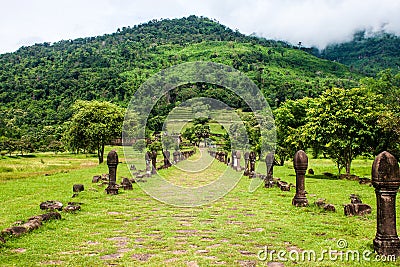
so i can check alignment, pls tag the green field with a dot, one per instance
(133, 229)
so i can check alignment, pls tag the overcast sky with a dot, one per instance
(313, 22)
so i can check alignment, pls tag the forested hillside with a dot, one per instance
(367, 54)
(38, 84)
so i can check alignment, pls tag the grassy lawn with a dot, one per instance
(42, 163)
(133, 229)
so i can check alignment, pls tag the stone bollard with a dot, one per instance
(238, 157)
(246, 164)
(175, 157)
(234, 162)
(78, 188)
(386, 180)
(147, 158)
(112, 162)
(252, 159)
(167, 162)
(300, 163)
(269, 162)
(153, 162)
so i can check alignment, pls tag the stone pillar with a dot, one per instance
(246, 163)
(147, 158)
(238, 157)
(300, 163)
(176, 156)
(252, 159)
(386, 180)
(269, 162)
(167, 162)
(153, 162)
(112, 162)
(234, 162)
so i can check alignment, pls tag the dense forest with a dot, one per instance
(366, 53)
(39, 84)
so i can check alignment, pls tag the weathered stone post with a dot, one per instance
(238, 157)
(147, 158)
(246, 164)
(167, 162)
(112, 162)
(175, 156)
(300, 163)
(269, 162)
(234, 162)
(386, 180)
(153, 162)
(252, 159)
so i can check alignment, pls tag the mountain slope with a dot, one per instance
(367, 54)
(45, 79)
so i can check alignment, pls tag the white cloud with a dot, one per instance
(314, 22)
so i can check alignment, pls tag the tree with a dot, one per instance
(201, 132)
(139, 145)
(343, 123)
(93, 125)
(388, 85)
(289, 118)
(196, 133)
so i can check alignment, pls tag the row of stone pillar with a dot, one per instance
(151, 159)
(221, 156)
(386, 180)
(182, 155)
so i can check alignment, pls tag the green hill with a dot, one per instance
(40, 82)
(367, 54)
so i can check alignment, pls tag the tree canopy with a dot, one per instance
(93, 125)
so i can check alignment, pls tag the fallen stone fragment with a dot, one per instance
(32, 223)
(126, 184)
(72, 208)
(96, 179)
(320, 202)
(357, 209)
(355, 199)
(78, 188)
(329, 207)
(51, 205)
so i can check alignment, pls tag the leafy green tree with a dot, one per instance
(93, 125)
(189, 134)
(388, 85)
(56, 146)
(238, 136)
(139, 145)
(343, 123)
(201, 132)
(168, 142)
(289, 118)
(155, 146)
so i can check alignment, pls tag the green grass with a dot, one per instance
(15, 167)
(133, 229)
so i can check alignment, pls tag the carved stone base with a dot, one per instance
(112, 189)
(387, 246)
(300, 201)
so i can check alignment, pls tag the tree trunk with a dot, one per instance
(348, 161)
(348, 165)
(100, 153)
